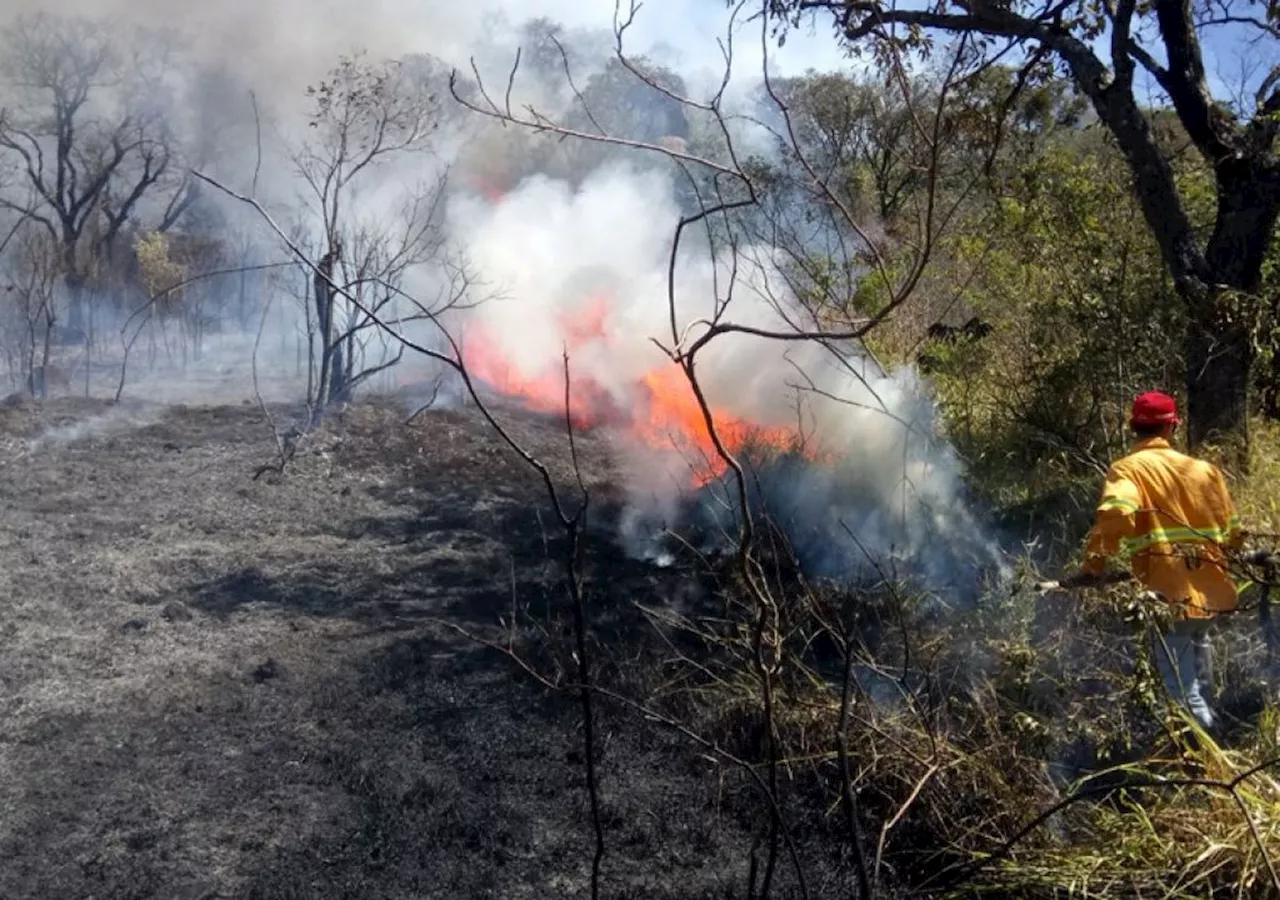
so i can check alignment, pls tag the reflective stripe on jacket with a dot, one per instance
(1173, 516)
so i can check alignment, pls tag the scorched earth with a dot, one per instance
(220, 686)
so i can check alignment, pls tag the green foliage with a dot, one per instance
(1083, 318)
(857, 134)
(1268, 336)
(1099, 49)
(1053, 253)
(1049, 251)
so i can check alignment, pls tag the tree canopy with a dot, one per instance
(1103, 48)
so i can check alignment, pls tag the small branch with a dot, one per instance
(285, 447)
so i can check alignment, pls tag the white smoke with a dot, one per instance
(281, 46)
(550, 248)
(117, 420)
(886, 485)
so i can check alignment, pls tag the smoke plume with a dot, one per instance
(575, 260)
(279, 47)
(871, 487)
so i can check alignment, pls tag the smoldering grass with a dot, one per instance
(117, 419)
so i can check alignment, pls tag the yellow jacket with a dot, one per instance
(1173, 516)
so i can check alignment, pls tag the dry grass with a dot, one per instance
(216, 687)
(1023, 748)
(1257, 493)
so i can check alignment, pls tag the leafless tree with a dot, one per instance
(366, 117)
(35, 267)
(87, 136)
(726, 215)
(724, 189)
(730, 209)
(571, 516)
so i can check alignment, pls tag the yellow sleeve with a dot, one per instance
(1113, 522)
(1234, 530)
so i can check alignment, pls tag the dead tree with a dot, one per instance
(35, 268)
(331, 385)
(365, 117)
(83, 174)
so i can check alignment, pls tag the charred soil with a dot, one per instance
(216, 686)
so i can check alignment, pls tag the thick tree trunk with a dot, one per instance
(338, 389)
(1218, 282)
(1223, 313)
(1219, 358)
(75, 307)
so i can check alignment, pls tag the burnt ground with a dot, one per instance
(215, 686)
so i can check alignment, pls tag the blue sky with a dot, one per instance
(690, 28)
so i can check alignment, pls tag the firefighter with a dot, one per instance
(1172, 515)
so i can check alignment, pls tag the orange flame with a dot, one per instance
(673, 415)
(660, 410)
(486, 184)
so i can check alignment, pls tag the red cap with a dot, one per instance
(1154, 408)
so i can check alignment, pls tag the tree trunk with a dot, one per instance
(75, 307)
(324, 317)
(1219, 357)
(89, 337)
(243, 297)
(31, 362)
(337, 376)
(1223, 314)
(1219, 283)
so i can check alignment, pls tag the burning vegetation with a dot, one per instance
(506, 468)
(658, 413)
